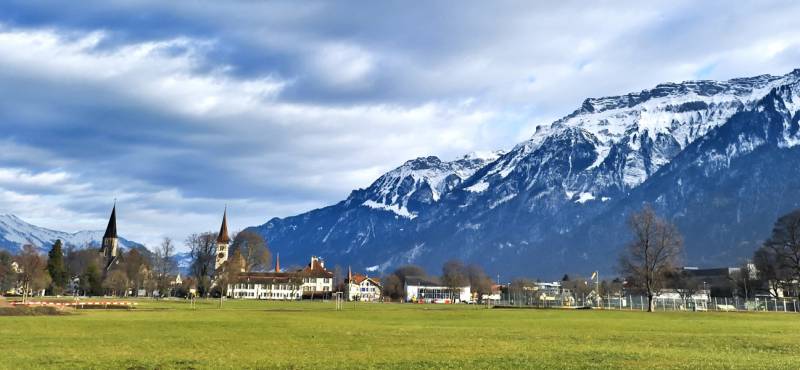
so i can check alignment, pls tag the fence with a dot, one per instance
(639, 303)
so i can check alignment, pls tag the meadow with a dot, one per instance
(286, 335)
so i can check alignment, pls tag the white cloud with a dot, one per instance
(238, 125)
(279, 116)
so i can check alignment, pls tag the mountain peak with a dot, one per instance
(16, 232)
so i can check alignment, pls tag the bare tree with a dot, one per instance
(479, 282)
(253, 249)
(654, 252)
(117, 282)
(784, 246)
(32, 271)
(203, 249)
(454, 276)
(744, 279)
(394, 283)
(684, 283)
(79, 259)
(770, 272)
(229, 274)
(137, 268)
(578, 285)
(164, 265)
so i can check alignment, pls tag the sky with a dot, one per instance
(177, 109)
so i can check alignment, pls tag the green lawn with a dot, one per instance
(314, 335)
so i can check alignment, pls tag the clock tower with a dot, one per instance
(223, 242)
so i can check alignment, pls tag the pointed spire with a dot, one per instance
(223, 237)
(349, 275)
(111, 229)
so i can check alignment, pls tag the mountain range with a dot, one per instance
(14, 233)
(720, 159)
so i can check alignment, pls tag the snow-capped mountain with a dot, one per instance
(421, 182)
(558, 202)
(14, 233)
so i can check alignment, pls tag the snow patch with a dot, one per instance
(502, 200)
(479, 187)
(400, 211)
(584, 197)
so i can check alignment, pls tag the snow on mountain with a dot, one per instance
(634, 135)
(422, 181)
(14, 233)
(557, 202)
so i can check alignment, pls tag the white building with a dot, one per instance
(266, 285)
(419, 289)
(363, 288)
(312, 281)
(317, 281)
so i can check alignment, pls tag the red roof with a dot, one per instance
(359, 278)
(317, 270)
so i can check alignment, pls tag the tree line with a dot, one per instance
(79, 271)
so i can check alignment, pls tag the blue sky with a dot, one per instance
(275, 108)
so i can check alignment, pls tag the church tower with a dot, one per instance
(109, 248)
(223, 241)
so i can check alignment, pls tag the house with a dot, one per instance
(421, 289)
(310, 282)
(317, 281)
(362, 288)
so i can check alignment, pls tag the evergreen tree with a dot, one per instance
(57, 269)
(92, 280)
(7, 274)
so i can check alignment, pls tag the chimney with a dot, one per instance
(278, 263)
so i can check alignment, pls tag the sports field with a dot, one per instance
(247, 334)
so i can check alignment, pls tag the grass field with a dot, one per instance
(313, 335)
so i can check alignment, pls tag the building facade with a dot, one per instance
(310, 282)
(362, 288)
(317, 280)
(266, 285)
(419, 289)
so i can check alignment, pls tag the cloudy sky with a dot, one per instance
(275, 108)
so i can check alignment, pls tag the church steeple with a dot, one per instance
(109, 248)
(223, 237)
(111, 229)
(222, 241)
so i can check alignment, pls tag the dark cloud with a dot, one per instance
(276, 107)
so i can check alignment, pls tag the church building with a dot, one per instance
(223, 242)
(110, 250)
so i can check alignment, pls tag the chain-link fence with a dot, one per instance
(639, 303)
